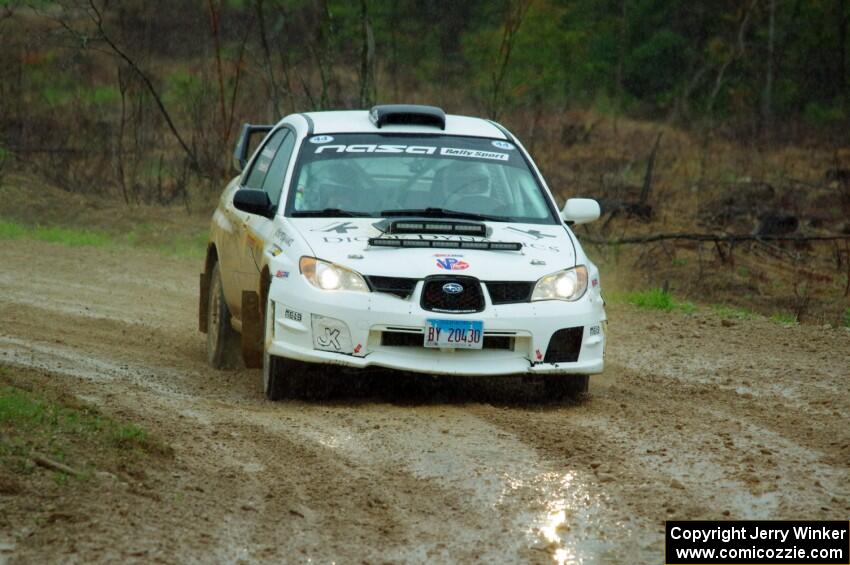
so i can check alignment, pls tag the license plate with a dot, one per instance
(458, 334)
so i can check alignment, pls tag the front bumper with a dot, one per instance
(347, 328)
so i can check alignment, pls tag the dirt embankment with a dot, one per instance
(693, 418)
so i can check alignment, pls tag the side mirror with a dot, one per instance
(253, 201)
(580, 211)
(240, 154)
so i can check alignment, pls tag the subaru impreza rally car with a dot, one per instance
(400, 238)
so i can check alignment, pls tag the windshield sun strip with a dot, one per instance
(552, 218)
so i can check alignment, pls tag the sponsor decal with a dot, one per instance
(503, 145)
(452, 264)
(282, 274)
(536, 234)
(594, 330)
(358, 348)
(338, 227)
(283, 237)
(371, 148)
(275, 250)
(474, 154)
(321, 139)
(594, 282)
(538, 355)
(292, 315)
(452, 288)
(330, 339)
(330, 334)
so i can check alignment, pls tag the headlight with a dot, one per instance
(564, 285)
(327, 276)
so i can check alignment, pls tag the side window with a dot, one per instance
(264, 159)
(273, 183)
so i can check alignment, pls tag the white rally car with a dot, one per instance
(401, 238)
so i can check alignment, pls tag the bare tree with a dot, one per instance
(515, 14)
(767, 98)
(736, 53)
(367, 58)
(95, 15)
(268, 67)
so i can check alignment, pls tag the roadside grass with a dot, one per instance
(658, 299)
(847, 317)
(784, 318)
(35, 423)
(53, 234)
(726, 311)
(181, 246)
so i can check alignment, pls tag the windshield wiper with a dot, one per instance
(329, 213)
(443, 213)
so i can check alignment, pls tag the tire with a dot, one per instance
(223, 343)
(286, 378)
(560, 387)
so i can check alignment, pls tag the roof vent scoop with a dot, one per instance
(407, 114)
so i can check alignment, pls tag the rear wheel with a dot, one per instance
(559, 387)
(223, 342)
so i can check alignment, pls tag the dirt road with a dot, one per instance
(693, 418)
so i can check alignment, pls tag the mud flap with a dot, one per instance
(204, 302)
(252, 330)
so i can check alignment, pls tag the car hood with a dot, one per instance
(345, 241)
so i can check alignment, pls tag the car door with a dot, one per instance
(238, 235)
(258, 229)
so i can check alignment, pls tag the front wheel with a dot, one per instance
(559, 387)
(284, 378)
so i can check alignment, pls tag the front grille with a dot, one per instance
(408, 339)
(436, 299)
(398, 286)
(564, 346)
(508, 292)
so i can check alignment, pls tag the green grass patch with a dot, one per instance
(785, 318)
(65, 430)
(725, 311)
(54, 234)
(658, 299)
(846, 319)
(183, 246)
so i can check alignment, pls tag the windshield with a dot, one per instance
(378, 175)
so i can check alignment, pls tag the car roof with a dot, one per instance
(357, 121)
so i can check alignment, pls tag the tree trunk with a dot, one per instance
(274, 90)
(367, 58)
(767, 99)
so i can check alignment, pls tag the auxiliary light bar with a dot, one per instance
(430, 243)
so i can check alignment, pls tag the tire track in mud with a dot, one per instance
(442, 481)
(728, 426)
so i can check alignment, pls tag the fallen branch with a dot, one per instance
(47, 463)
(716, 238)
